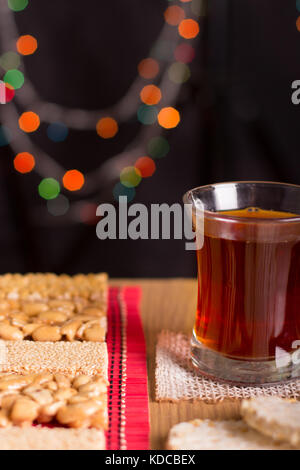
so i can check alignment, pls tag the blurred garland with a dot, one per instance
(152, 103)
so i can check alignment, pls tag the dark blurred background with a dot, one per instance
(237, 119)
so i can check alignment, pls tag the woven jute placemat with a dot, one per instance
(177, 380)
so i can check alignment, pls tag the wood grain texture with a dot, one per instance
(171, 304)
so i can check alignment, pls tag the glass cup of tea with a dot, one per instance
(247, 328)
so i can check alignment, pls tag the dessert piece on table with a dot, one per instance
(220, 435)
(53, 361)
(274, 417)
(71, 358)
(47, 307)
(75, 402)
(42, 438)
(36, 286)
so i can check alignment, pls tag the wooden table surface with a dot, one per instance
(171, 304)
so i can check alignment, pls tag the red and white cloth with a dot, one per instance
(128, 408)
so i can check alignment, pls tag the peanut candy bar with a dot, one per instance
(36, 309)
(44, 438)
(75, 402)
(36, 286)
(66, 357)
(52, 320)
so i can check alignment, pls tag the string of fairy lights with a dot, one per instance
(151, 98)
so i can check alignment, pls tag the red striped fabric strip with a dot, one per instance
(128, 407)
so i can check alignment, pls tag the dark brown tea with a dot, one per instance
(249, 284)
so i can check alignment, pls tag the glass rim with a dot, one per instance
(239, 219)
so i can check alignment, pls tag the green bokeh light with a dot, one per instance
(158, 147)
(10, 60)
(15, 78)
(5, 136)
(147, 114)
(130, 177)
(49, 188)
(120, 190)
(17, 5)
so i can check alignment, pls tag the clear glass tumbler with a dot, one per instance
(247, 328)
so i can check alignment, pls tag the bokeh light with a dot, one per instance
(29, 121)
(148, 68)
(158, 147)
(298, 23)
(24, 162)
(10, 60)
(107, 127)
(198, 7)
(168, 117)
(173, 15)
(5, 136)
(179, 72)
(147, 114)
(58, 206)
(130, 177)
(15, 78)
(120, 190)
(188, 28)
(87, 213)
(57, 131)
(184, 53)
(146, 166)
(7, 92)
(73, 180)
(150, 94)
(49, 188)
(163, 50)
(17, 5)
(27, 44)
(298, 5)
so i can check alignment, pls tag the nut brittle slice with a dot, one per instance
(36, 286)
(75, 402)
(66, 357)
(44, 438)
(55, 319)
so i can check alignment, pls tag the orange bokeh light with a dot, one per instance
(298, 23)
(73, 180)
(24, 162)
(148, 68)
(146, 166)
(188, 29)
(173, 15)
(168, 117)
(26, 45)
(29, 121)
(107, 127)
(150, 94)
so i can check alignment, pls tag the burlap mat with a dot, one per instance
(176, 380)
